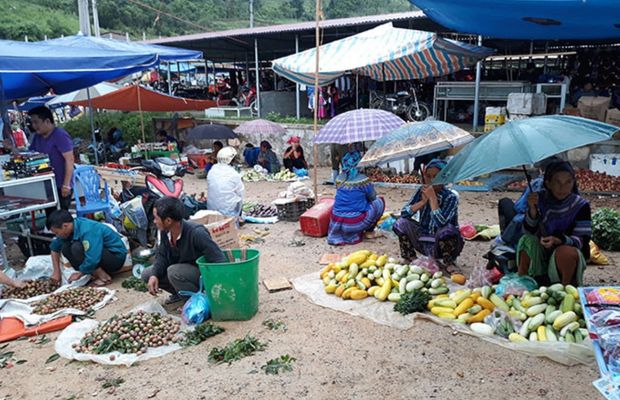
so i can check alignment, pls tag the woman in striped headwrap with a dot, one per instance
(558, 228)
(435, 233)
(357, 208)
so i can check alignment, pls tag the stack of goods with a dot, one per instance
(251, 175)
(547, 314)
(80, 298)
(283, 176)
(25, 165)
(364, 273)
(31, 289)
(131, 333)
(259, 210)
(377, 175)
(588, 181)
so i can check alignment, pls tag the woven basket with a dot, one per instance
(292, 211)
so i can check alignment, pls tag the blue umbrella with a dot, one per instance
(523, 142)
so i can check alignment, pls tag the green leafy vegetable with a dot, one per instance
(236, 350)
(412, 302)
(52, 358)
(200, 333)
(114, 382)
(606, 229)
(281, 364)
(134, 283)
(274, 325)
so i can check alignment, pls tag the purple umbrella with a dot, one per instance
(260, 127)
(359, 126)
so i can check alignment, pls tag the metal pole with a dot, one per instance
(169, 80)
(477, 89)
(297, 91)
(257, 77)
(251, 13)
(96, 18)
(92, 125)
(84, 17)
(315, 149)
(357, 91)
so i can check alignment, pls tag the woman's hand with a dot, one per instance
(549, 242)
(17, 284)
(532, 204)
(429, 193)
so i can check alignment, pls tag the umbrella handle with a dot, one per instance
(528, 177)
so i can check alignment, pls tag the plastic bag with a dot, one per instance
(196, 308)
(502, 323)
(301, 172)
(515, 285)
(426, 263)
(596, 257)
(480, 276)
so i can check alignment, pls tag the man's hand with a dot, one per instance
(65, 191)
(75, 276)
(549, 242)
(153, 285)
(17, 284)
(55, 276)
(532, 204)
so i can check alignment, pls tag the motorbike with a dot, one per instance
(164, 178)
(247, 98)
(404, 104)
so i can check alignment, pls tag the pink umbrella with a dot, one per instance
(260, 127)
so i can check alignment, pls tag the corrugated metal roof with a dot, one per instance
(300, 26)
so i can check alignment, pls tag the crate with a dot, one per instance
(315, 221)
(292, 211)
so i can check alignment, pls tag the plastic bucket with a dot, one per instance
(232, 287)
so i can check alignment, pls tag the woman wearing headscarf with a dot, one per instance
(436, 231)
(357, 208)
(293, 157)
(558, 228)
(267, 158)
(224, 185)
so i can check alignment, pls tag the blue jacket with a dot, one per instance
(94, 236)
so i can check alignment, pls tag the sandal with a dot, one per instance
(98, 283)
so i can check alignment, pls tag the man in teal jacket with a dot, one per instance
(91, 247)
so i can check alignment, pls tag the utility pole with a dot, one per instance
(96, 18)
(251, 13)
(84, 17)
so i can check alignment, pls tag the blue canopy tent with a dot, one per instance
(165, 53)
(178, 67)
(528, 19)
(31, 69)
(34, 102)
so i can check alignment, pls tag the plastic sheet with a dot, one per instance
(76, 331)
(383, 313)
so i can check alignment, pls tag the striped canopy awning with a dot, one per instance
(384, 53)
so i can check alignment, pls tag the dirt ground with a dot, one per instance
(338, 355)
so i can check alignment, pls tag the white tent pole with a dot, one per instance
(257, 77)
(477, 89)
(297, 92)
(315, 149)
(92, 125)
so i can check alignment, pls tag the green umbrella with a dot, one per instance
(523, 142)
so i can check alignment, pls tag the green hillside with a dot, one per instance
(52, 18)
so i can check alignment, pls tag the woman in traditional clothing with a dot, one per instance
(558, 228)
(357, 208)
(436, 232)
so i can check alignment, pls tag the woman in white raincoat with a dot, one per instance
(224, 186)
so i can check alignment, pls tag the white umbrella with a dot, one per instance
(83, 94)
(87, 94)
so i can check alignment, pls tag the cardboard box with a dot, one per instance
(224, 233)
(594, 107)
(526, 103)
(205, 217)
(613, 116)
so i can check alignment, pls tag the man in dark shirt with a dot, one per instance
(182, 243)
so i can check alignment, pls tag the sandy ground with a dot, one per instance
(338, 356)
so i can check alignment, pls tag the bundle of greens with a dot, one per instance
(606, 229)
(200, 333)
(412, 302)
(236, 350)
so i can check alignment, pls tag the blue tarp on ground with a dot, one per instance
(528, 19)
(165, 53)
(31, 69)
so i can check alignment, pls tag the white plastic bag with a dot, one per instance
(75, 332)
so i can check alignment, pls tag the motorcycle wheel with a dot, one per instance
(254, 109)
(419, 113)
(377, 103)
